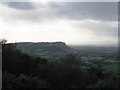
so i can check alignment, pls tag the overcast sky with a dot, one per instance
(76, 23)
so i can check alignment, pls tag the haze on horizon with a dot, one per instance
(75, 23)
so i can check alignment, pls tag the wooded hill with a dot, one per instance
(49, 50)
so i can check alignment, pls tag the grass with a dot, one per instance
(112, 67)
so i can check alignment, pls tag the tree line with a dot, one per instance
(20, 70)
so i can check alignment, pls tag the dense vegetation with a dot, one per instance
(49, 50)
(23, 71)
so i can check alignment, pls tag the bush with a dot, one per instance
(22, 81)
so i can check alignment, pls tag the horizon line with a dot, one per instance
(106, 45)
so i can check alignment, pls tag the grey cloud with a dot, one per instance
(107, 31)
(100, 29)
(28, 11)
(88, 10)
(20, 5)
(70, 10)
(76, 11)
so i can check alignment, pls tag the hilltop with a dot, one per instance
(50, 50)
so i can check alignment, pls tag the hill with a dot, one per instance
(50, 50)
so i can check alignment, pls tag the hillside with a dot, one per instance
(50, 50)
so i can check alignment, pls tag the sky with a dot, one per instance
(75, 23)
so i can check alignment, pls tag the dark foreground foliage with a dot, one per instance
(23, 71)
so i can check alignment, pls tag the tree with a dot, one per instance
(3, 41)
(11, 81)
(71, 60)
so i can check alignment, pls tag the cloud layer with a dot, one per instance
(73, 10)
(72, 22)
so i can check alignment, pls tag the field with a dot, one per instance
(108, 60)
(112, 67)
